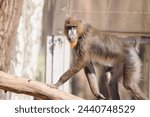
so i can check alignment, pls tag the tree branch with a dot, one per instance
(23, 85)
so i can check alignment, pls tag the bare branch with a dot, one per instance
(30, 87)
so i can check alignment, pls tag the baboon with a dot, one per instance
(91, 44)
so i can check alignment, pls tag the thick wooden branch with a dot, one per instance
(30, 87)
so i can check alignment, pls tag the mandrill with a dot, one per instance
(90, 45)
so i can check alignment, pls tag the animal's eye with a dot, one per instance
(74, 26)
(71, 26)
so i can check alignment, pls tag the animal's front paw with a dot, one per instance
(52, 86)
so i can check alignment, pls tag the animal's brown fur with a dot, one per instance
(91, 45)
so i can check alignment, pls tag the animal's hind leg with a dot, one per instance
(132, 74)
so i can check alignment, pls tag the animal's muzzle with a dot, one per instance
(72, 34)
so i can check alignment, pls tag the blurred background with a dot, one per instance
(40, 51)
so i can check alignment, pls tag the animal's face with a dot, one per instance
(72, 30)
